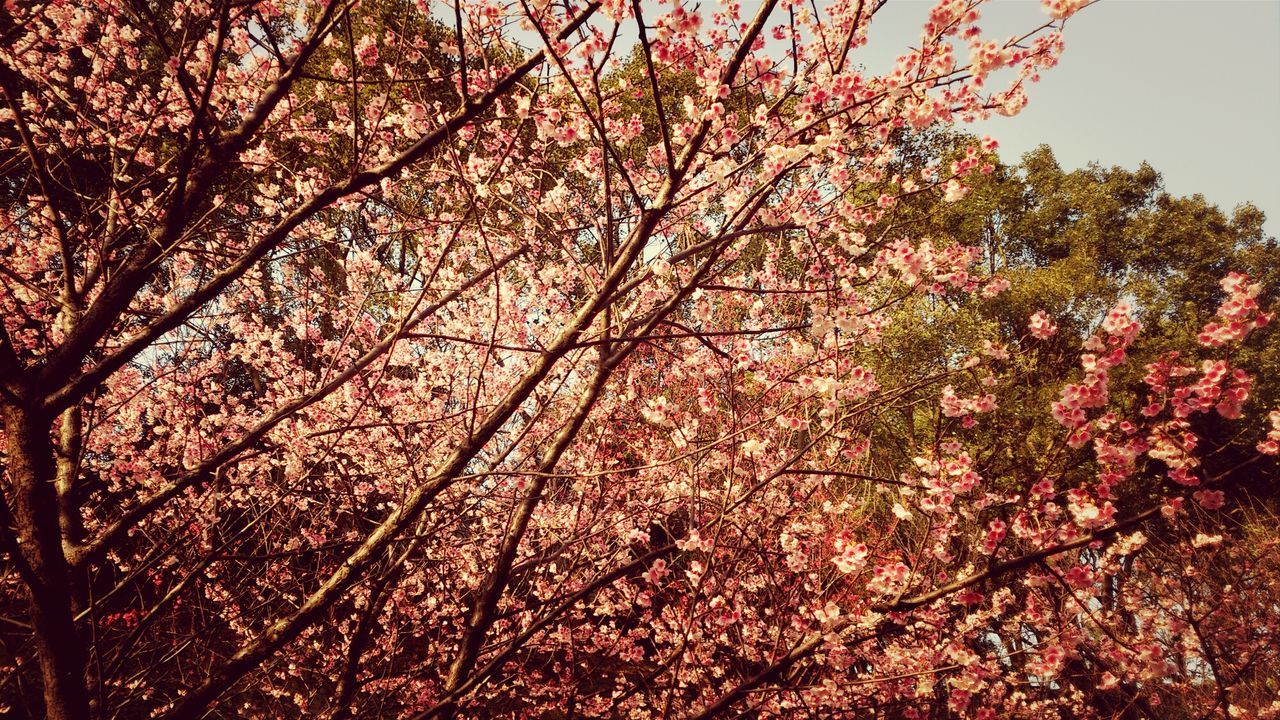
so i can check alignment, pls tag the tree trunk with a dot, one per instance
(32, 473)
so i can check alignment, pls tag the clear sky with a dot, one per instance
(1190, 86)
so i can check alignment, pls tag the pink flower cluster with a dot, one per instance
(1238, 315)
(996, 533)
(850, 556)
(1086, 512)
(1092, 391)
(1062, 9)
(1220, 387)
(1041, 326)
(994, 287)
(1209, 499)
(888, 578)
(1271, 446)
(656, 572)
(955, 406)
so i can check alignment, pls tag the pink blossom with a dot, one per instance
(1209, 499)
(1040, 326)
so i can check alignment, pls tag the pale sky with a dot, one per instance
(1190, 86)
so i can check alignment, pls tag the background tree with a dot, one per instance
(1072, 243)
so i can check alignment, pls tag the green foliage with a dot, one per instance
(1073, 243)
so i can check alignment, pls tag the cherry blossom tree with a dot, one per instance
(358, 360)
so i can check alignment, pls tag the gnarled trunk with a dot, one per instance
(34, 498)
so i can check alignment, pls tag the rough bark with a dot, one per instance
(38, 535)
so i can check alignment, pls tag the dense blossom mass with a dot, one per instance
(406, 359)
